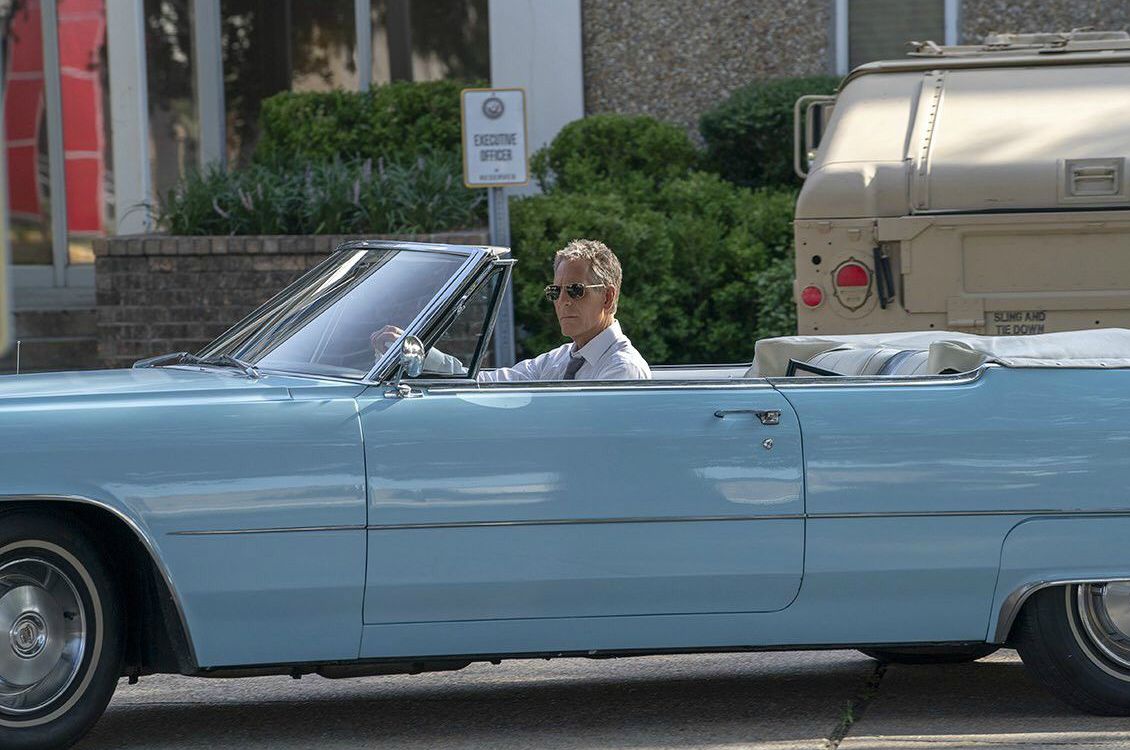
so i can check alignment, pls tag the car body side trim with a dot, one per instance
(1028, 512)
(585, 521)
(466, 386)
(820, 381)
(950, 513)
(146, 542)
(451, 385)
(278, 530)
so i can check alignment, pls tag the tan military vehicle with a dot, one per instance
(976, 188)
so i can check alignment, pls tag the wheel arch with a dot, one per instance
(1039, 553)
(158, 638)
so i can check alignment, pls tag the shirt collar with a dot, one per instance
(595, 349)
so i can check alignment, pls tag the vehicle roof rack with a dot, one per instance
(1076, 40)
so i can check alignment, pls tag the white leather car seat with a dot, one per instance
(852, 360)
(908, 363)
(947, 351)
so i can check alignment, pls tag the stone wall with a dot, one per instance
(981, 17)
(676, 60)
(159, 294)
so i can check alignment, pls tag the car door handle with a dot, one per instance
(770, 417)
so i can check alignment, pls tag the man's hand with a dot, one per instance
(381, 340)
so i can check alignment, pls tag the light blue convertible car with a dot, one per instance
(285, 502)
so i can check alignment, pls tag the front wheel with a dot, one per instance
(1076, 641)
(61, 632)
(930, 654)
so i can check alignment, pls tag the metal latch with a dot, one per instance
(770, 417)
(965, 312)
(1093, 178)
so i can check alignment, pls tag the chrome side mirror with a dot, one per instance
(411, 356)
(411, 363)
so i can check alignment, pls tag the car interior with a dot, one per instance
(914, 355)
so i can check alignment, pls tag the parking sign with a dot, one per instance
(494, 137)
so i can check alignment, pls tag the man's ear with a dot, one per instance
(610, 293)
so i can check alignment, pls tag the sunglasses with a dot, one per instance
(575, 291)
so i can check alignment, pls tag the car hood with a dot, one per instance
(153, 380)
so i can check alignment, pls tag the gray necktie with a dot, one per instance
(575, 363)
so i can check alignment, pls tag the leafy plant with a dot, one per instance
(707, 266)
(638, 152)
(749, 137)
(425, 194)
(394, 122)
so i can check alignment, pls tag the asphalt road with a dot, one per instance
(780, 701)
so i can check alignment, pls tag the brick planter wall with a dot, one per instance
(159, 294)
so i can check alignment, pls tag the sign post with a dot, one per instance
(494, 157)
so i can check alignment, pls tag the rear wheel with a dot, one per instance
(1076, 641)
(61, 632)
(930, 654)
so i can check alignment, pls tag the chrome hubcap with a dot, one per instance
(1104, 611)
(42, 613)
(29, 636)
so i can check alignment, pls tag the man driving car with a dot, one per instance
(585, 292)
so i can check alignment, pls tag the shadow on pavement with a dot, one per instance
(781, 701)
(992, 703)
(786, 700)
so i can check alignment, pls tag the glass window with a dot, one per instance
(880, 29)
(173, 122)
(281, 45)
(328, 321)
(25, 135)
(84, 80)
(430, 41)
(466, 337)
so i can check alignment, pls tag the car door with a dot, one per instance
(533, 502)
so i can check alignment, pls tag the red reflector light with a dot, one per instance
(852, 274)
(812, 296)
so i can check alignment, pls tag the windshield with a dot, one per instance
(324, 324)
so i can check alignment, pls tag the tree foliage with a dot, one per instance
(749, 136)
(704, 260)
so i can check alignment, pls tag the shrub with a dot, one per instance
(420, 195)
(395, 122)
(749, 137)
(703, 263)
(591, 151)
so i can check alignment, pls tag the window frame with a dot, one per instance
(841, 40)
(501, 267)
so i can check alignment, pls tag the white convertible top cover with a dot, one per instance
(951, 351)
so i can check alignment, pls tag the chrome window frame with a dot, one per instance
(475, 256)
(466, 385)
(478, 256)
(431, 333)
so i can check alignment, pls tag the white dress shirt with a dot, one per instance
(608, 356)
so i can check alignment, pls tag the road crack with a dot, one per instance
(854, 708)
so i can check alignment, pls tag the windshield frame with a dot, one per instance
(476, 257)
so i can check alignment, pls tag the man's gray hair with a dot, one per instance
(604, 266)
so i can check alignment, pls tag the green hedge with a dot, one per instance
(362, 196)
(395, 122)
(749, 137)
(625, 149)
(707, 265)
